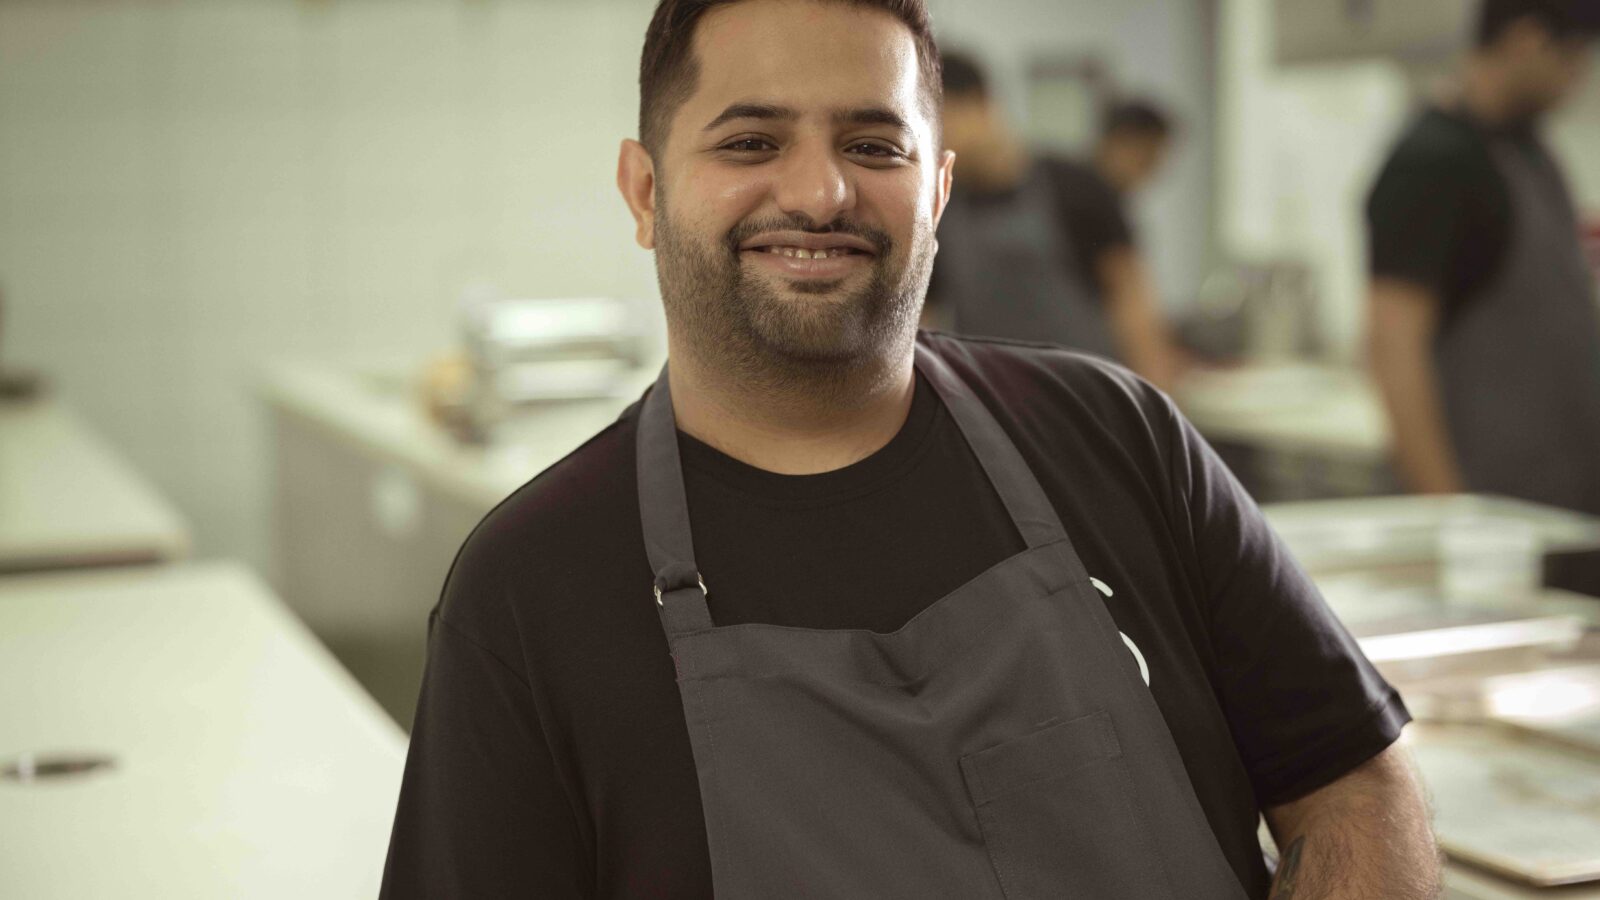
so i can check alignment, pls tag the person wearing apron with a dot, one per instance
(1480, 282)
(1039, 247)
(1010, 271)
(585, 720)
(1520, 364)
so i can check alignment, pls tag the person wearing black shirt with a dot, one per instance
(844, 609)
(1484, 331)
(1039, 247)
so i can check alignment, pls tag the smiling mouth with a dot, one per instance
(803, 253)
(812, 267)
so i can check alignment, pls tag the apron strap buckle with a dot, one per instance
(700, 580)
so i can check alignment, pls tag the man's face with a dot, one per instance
(1545, 69)
(1563, 67)
(798, 187)
(1135, 158)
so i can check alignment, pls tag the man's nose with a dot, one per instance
(815, 184)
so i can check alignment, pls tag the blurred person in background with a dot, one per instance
(1040, 248)
(1484, 333)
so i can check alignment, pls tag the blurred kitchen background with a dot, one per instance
(266, 365)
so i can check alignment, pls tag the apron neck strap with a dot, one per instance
(664, 513)
(1019, 490)
(680, 589)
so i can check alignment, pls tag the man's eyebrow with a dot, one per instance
(871, 115)
(863, 115)
(751, 111)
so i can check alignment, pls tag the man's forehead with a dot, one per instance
(804, 55)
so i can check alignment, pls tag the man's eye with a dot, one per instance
(881, 151)
(748, 145)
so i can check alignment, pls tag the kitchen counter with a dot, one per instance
(374, 410)
(246, 762)
(67, 499)
(1461, 667)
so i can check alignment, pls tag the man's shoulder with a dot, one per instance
(1000, 363)
(1440, 145)
(587, 480)
(1053, 387)
(547, 531)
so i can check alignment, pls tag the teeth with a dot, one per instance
(803, 253)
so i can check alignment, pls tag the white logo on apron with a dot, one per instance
(1144, 668)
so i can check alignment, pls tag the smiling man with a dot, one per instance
(842, 610)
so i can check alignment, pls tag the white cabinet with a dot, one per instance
(362, 550)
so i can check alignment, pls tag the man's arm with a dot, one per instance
(1404, 318)
(1365, 835)
(1137, 325)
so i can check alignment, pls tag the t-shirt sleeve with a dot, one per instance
(481, 812)
(1418, 219)
(1304, 704)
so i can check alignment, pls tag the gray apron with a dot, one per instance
(1000, 745)
(1519, 364)
(1010, 271)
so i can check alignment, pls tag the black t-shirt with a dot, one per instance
(550, 756)
(1091, 214)
(1439, 214)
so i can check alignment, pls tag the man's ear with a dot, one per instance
(943, 180)
(636, 179)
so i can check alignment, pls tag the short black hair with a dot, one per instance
(668, 69)
(963, 76)
(1135, 117)
(1565, 19)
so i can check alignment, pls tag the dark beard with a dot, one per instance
(741, 326)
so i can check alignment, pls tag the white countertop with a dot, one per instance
(1292, 406)
(380, 415)
(67, 499)
(248, 763)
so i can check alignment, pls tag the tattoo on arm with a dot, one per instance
(1288, 871)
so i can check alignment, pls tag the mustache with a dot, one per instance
(749, 228)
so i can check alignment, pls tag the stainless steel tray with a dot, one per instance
(1512, 802)
(1555, 698)
(1341, 535)
(1410, 633)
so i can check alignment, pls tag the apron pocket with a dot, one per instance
(1058, 818)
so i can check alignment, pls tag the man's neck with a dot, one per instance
(793, 426)
(1105, 163)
